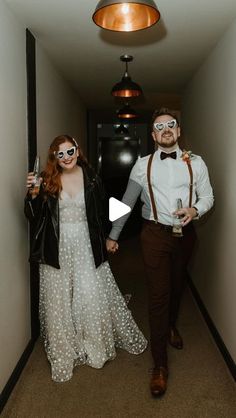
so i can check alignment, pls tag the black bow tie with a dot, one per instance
(164, 155)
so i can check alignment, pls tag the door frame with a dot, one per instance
(32, 152)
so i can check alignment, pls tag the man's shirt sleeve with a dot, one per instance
(130, 197)
(205, 198)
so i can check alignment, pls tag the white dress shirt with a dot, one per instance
(170, 180)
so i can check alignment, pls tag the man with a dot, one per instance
(174, 186)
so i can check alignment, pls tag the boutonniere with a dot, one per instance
(187, 156)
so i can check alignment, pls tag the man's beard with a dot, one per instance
(167, 145)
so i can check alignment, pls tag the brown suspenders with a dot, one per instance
(191, 183)
(154, 209)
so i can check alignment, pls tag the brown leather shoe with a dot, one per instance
(175, 339)
(158, 384)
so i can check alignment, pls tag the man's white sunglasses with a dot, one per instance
(171, 124)
(69, 152)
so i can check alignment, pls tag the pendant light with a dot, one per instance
(126, 112)
(126, 15)
(126, 87)
(121, 130)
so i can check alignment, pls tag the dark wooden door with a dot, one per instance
(117, 156)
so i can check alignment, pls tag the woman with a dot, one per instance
(83, 315)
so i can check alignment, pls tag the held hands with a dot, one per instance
(186, 215)
(112, 246)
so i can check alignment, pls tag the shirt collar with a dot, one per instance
(177, 149)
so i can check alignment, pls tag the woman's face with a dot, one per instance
(67, 155)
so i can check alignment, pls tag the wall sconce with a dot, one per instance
(126, 87)
(126, 15)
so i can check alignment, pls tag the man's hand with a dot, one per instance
(112, 246)
(186, 215)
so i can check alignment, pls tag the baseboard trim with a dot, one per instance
(218, 340)
(15, 375)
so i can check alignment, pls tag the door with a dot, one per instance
(117, 155)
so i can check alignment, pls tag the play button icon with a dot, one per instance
(117, 209)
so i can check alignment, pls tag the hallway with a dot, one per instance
(200, 385)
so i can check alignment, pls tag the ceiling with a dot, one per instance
(165, 56)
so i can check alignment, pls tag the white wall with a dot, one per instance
(59, 110)
(14, 269)
(209, 118)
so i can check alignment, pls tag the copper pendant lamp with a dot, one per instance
(126, 15)
(126, 112)
(126, 87)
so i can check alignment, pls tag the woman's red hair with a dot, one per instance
(52, 173)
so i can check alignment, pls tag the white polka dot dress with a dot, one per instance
(83, 315)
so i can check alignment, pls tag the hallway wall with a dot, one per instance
(59, 111)
(14, 270)
(209, 114)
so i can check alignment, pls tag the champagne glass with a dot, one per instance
(34, 189)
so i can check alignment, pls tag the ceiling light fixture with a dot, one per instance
(121, 129)
(126, 15)
(126, 112)
(126, 87)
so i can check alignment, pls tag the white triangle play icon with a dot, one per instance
(117, 209)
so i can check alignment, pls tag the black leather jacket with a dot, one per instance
(43, 215)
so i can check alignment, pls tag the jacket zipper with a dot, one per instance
(40, 229)
(31, 208)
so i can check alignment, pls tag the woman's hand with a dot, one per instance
(32, 185)
(30, 180)
(112, 245)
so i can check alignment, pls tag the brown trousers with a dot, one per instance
(165, 258)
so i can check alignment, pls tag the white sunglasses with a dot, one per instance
(159, 126)
(69, 152)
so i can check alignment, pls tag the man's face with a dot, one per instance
(165, 131)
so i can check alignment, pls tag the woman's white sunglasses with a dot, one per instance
(159, 126)
(69, 152)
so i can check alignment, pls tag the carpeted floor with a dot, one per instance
(199, 386)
